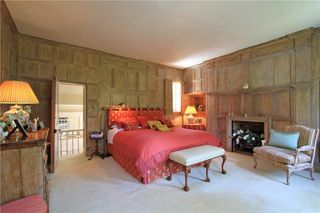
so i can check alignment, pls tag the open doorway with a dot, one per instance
(71, 120)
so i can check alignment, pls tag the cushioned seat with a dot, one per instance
(291, 158)
(196, 155)
(281, 155)
(32, 204)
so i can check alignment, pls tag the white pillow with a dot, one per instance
(112, 132)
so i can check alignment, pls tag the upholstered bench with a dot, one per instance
(193, 156)
(32, 203)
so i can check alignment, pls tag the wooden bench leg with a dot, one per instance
(207, 170)
(186, 171)
(224, 157)
(170, 176)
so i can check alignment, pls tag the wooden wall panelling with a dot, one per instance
(132, 100)
(142, 80)
(302, 105)
(211, 113)
(10, 179)
(106, 78)
(246, 104)
(303, 64)
(282, 64)
(234, 104)
(32, 171)
(204, 78)
(274, 46)
(261, 73)
(261, 104)
(132, 80)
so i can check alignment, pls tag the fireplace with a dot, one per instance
(246, 132)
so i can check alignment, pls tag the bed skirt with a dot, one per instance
(128, 164)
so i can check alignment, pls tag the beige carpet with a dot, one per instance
(99, 185)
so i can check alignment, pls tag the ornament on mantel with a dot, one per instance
(245, 86)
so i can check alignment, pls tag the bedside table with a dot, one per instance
(195, 126)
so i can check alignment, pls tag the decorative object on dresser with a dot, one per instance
(191, 110)
(24, 167)
(196, 156)
(285, 155)
(17, 92)
(243, 133)
(195, 126)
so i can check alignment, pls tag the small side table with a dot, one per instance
(96, 152)
(195, 126)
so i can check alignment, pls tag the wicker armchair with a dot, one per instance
(292, 160)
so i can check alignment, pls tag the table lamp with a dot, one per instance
(17, 92)
(191, 110)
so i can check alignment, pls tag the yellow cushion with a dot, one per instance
(162, 128)
(156, 125)
(153, 124)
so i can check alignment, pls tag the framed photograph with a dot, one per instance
(41, 124)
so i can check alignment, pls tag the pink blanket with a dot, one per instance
(148, 147)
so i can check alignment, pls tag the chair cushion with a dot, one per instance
(280, 155)
(284, 139)
(30, 204)
(196, 155)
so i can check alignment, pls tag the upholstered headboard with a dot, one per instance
(116, 113)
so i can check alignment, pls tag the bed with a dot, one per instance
(144, 152)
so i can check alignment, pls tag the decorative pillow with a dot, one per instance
(143, 121)
(129, 123)
(167, 122)
(162, 128)
(153, 124)
(284, 139)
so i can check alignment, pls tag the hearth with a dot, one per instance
(246, 132)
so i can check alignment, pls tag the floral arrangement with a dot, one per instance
(6, 120)
(246, 138)
(5, 123)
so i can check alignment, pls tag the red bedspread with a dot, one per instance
(148, 148)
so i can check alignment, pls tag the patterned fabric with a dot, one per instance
(30, 204)
(143, 121)
(118, 113)
(167, 122)
(306, 134)
(115, 114)
(162, 170)
(152, 114)
(129, 123)
(196, 155)
(281, 155)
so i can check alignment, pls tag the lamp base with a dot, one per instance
(190, 119)
(17, 112)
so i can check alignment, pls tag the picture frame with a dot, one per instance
(41, 124)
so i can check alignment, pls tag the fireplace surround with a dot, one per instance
(257, 126)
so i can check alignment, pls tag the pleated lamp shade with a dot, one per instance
(190, 110)
(17, 92)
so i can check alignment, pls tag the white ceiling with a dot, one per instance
(179, 34)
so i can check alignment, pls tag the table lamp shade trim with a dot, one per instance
(17, 92)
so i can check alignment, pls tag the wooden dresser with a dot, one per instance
(24, 167)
